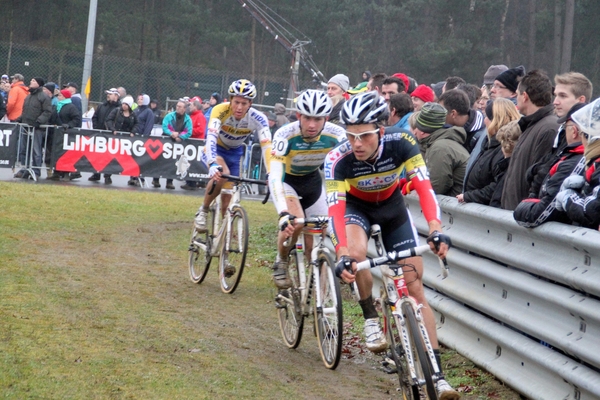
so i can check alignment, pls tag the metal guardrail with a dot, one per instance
(521, 303)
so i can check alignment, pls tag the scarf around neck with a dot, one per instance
(62, 103)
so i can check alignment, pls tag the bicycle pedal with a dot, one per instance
(389, 366)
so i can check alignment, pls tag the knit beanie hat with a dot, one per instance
(341, 80)
(128, 100)
(492, 72)
(431, 118)
(509, 78)
(66, 93)
(404, 79)
(51, 86)
(412, 85)
(424, 93)
(437, 88)
(40, 81)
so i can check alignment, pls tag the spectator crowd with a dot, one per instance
(517, 140)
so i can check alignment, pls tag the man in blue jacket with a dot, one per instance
(178, 126)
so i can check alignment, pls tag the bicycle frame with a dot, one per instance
(222, 225)
(394, 294)
(309, 275)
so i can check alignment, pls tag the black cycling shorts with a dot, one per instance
(309, 187)
(397, 229)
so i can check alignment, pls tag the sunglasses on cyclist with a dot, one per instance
(363, 135)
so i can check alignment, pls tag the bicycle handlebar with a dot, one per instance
(393, 256)
(239, 179)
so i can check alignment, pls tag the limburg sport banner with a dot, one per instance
(9, 139)
(152, 156)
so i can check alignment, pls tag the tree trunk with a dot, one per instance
(532, 29)
(557, 34)
(503, 30)
(568, 36)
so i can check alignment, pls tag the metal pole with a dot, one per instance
(89, 54)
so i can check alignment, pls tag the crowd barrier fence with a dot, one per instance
(100, 151)
(522, 303)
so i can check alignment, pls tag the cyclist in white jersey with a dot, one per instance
(297, 151)
(229, 125)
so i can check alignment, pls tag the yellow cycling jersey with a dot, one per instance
(229, 133)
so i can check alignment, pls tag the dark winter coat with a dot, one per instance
(535, 211)
(116, 121)
(585, 210)
(37, 108)
(68, 115)
(145, 118)
(539, 130)
(499, 176)
(480, 182)
(102, 112)
(446, 159)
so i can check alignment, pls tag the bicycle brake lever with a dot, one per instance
(444, 266)
(267, 196)
(212, 187)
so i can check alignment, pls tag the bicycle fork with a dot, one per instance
(401, 322)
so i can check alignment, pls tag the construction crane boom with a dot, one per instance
(281, 31)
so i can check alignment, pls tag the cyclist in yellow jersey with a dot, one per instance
(298, 150)
(229, 125)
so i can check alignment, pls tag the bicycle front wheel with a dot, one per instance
(199, 255)
(422, 362)
(289, 306)
(397, 354)
(233, 257)
(328, 313)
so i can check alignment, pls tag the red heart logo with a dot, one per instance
(154, 148)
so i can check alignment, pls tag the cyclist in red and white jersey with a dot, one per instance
(363, 188)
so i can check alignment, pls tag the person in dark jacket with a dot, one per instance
(123, 119)
(37, 110)
(460, 113)
(508, 136)
(144, 115)
(579, 198)
(442, 149)
(480, 180)
(99, 121)
(156, 111)
(539, 127)
(534, 211)
(65, 115)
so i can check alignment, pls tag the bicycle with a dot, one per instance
(225, 237)
(410, 349)
(293, 304)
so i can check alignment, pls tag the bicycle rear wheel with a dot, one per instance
(397, 354)
(199, 255)
(421, 359)
(328, 314)
(289, 307)
(233, 256)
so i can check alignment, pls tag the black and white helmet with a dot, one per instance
(314, 103)
(364, 108)
(243, 88)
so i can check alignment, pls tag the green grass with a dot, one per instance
(95, 302)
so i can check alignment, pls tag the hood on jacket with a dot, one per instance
(453, 133)
(279, 108)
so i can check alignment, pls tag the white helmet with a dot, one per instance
(243, 88)
(588, 120)
(314, 103)
(364, 108)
